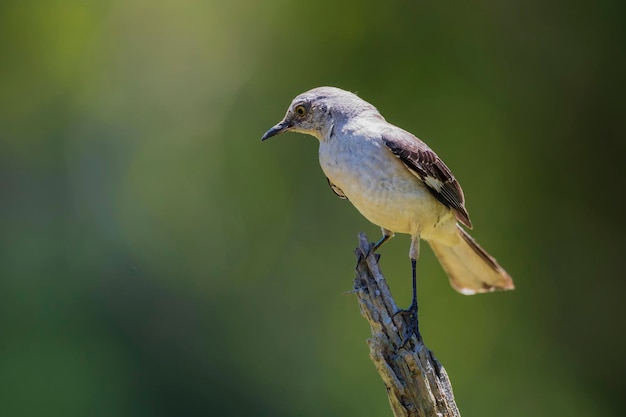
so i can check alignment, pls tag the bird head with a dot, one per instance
(316, 111)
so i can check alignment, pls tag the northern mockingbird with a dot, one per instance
(397, 182)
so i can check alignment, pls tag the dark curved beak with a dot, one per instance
(279, 128)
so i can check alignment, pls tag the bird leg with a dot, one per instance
(411, 312)
(387, 234)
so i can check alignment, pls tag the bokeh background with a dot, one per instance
(158, 260)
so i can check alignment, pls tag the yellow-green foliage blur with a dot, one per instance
(157, 260)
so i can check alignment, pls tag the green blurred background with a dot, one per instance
(158, 260)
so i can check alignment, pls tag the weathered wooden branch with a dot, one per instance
(417, 384)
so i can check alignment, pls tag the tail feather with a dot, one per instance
(470, 268)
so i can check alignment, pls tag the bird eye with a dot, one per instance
(300, 111)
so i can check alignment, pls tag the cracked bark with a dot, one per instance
(417, 384)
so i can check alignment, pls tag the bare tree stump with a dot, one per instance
(417, 384)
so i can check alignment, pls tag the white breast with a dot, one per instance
(379, 185)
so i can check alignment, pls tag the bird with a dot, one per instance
(397, 182)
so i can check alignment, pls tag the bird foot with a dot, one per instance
(411, 323)
(373, 248)
(362, 255)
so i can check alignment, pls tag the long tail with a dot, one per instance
(471, 270)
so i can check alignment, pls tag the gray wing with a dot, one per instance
(336, 189)
(426, 165)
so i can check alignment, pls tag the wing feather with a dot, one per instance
(336, 189)
(426, 165)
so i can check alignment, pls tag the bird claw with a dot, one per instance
(363, 255)
(411, 323)
(373, 250)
